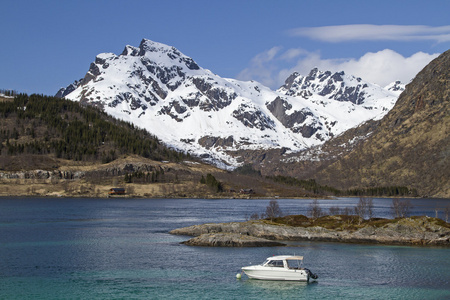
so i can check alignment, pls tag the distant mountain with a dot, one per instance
(158, 88)
(409, 147)
(337, 86)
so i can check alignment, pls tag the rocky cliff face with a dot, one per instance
(158, 88)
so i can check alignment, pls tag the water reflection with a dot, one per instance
(274, 286)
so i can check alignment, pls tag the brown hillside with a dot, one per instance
(410, 146)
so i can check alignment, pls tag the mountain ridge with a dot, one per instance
(158, 88)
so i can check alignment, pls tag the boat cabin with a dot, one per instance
(282, 261)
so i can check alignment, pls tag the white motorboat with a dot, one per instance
(282, 267)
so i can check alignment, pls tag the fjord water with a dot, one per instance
(120, 249)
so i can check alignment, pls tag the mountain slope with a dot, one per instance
(38, 131)
(411, 145)
(158, 88)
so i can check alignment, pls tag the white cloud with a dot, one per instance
(263, 67)
(369, 32)
(386, 66)
(293, 53)
(381, 67)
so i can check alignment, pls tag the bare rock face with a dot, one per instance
(230, 240)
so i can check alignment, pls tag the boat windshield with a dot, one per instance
(275, 263)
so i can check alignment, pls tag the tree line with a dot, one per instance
(144, 177)
(8, 92)
(318, 189)
(50, 125)
(363, 210)
(388, 191)
(212, 182)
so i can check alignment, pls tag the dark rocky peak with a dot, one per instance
(294, 121)
(130, 50)
(290, 80)
(148, 47)
(312, 74)
(100, 60)
(92, 74)
(338, 76)
(217, 96)
(315, 76)
(190, 63)
(337, 86)
(69, 89)
(323, 76)
(396, 86)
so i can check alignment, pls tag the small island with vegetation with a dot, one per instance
(349, 225)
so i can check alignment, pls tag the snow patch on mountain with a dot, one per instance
(156, 87)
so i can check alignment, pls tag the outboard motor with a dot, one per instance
(311, 274)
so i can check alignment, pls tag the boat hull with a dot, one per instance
(273, 273)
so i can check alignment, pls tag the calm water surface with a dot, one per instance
(121, 249)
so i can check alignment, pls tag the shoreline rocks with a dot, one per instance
(230, 240)
(408, 231)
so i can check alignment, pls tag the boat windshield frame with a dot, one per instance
(294, 263)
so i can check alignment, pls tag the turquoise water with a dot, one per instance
(120, 249)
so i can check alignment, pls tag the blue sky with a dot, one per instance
(49, 44)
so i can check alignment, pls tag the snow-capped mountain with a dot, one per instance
(337, 86)
(158, 88)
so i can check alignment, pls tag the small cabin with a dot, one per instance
(116, 191)
(246, 191)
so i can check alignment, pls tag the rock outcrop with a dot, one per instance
(230, 240)
(406, 231)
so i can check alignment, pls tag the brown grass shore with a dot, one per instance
(40, 176)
